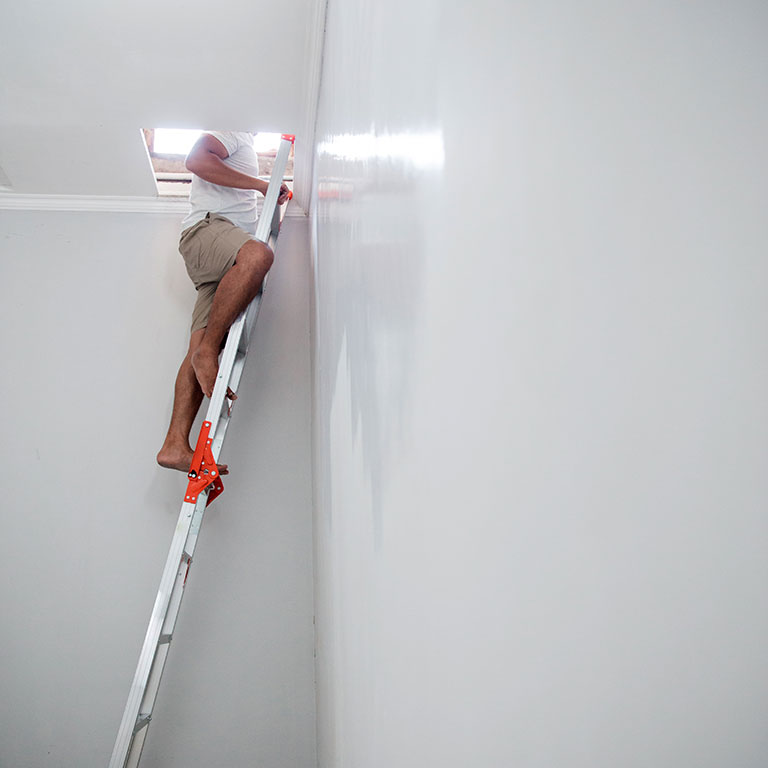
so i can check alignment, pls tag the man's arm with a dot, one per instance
(206, 160)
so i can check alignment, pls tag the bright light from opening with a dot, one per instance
(178, 141)
(264, 142)
(175, 141)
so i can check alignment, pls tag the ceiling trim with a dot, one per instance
(105, 204)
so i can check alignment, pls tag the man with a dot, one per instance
(224, 262)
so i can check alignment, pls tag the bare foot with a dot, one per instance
(206, 366)
(180, 458)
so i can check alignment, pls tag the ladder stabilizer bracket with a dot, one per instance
(203, 471)
(216, 489)
(141, 722)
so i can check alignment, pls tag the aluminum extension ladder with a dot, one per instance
(204, 485)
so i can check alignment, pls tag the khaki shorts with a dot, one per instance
(209, 248)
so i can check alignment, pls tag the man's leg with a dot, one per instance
(176, 452)
(236, 290)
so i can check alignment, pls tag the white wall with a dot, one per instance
(93, 324)
(78, 80)
(540, 385)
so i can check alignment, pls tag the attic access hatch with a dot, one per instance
(168, 148)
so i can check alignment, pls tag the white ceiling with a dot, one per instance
(79, 79)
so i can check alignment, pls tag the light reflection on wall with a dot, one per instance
(371, 193)
(419, 150)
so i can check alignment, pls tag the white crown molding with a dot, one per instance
(10, 201)
(103, 203)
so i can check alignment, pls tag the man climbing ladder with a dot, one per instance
(219, 298)
(225, 263)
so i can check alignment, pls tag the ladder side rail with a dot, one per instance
(157, 619)
(137, 747)
(263, 233)
(274, 226)
(139, 725)
(238, 366)
(250, 318)
(266, 233)
(237, 371)
(169, 625)
(161, 649)
(197, 524)
(252, 312)
(237, 341)
(217, 439)
(264, 224)
(235, 374)
(219, 394)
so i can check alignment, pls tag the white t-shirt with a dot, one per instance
(237, 205)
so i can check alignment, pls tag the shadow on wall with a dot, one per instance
(371, 290)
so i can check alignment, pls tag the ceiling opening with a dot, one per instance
(168, 148)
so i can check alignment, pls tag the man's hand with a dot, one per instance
(283, 196)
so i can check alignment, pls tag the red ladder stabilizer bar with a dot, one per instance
(203, 471)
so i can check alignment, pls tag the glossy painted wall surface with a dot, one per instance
(540, 376)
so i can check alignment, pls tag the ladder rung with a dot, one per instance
(141, 722)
